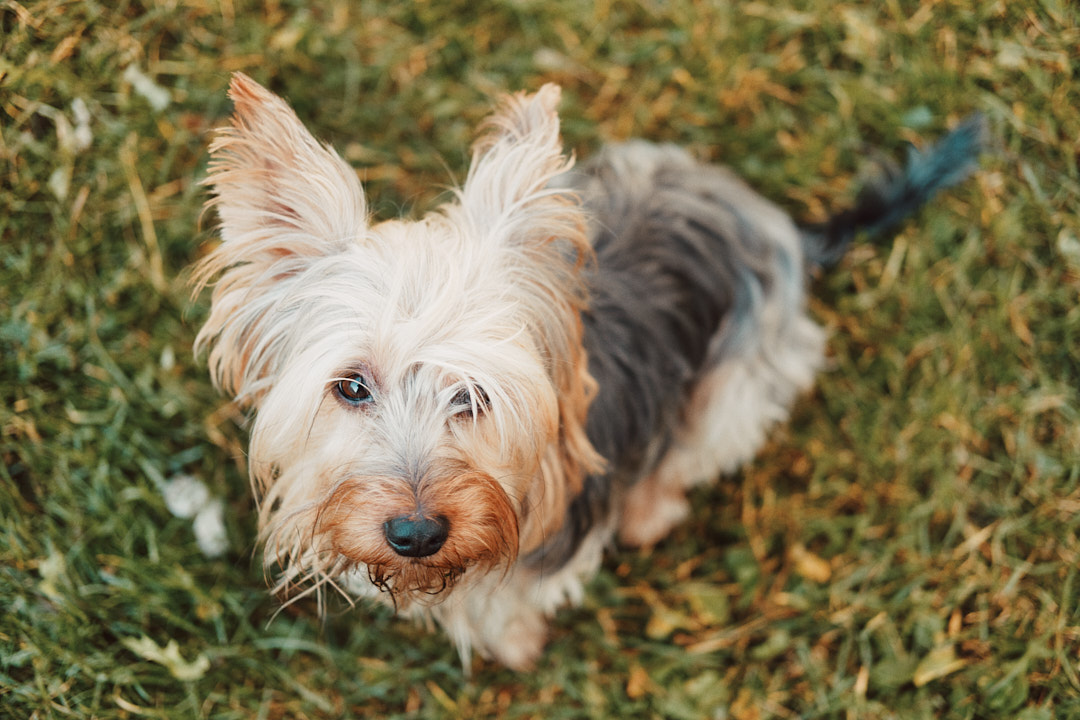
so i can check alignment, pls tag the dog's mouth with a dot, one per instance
(414, 581)
(418, 541)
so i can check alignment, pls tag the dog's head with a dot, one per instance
(419, 389)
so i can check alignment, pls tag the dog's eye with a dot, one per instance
(466, 400)
(354, 390)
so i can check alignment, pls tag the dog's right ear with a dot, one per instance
(284, 201)
(277, 190)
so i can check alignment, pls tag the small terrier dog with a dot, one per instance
(457, 415)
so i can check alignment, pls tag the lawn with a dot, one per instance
(907, 547)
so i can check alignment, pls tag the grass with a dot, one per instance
(906, 548)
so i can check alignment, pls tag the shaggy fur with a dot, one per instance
(457, 415)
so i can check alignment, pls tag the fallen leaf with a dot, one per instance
(938, 663)
(809, 565)
(169, 656)
(637, 685)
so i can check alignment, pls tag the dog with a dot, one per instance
(457, 415)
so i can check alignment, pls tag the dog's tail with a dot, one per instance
(897, 192)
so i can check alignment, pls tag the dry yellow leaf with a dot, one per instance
(938, 663)
(809, 565)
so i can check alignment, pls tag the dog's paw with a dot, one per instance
(522, 642)
(650, 512)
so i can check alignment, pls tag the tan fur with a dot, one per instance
(350, 522)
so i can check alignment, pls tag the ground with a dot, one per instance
(906, 548)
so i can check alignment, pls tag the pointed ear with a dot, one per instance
(277, 190)
(284, 201)
(518, 152)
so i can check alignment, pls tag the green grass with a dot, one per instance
(906, 548)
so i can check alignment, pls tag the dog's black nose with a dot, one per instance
(414, 536)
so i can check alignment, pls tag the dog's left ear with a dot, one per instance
(285, 201)
(519, 150)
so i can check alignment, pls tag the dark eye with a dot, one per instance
(469, 400)
(354, 390)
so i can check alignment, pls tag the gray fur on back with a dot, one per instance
(686, 254)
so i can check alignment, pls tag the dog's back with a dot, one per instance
(697, 332)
